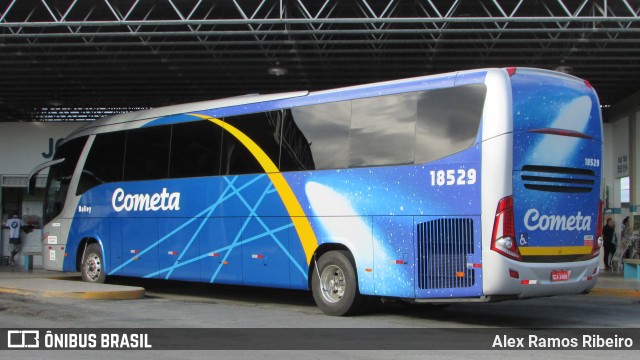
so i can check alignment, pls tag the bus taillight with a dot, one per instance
(588, 84)
(595, 251)
(503, 238)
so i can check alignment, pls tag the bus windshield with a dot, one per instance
(59, 178)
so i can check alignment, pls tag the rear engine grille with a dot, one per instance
(558, 179)
(443, 246)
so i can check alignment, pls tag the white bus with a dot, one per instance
(469, 186)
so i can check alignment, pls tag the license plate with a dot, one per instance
(559, 275)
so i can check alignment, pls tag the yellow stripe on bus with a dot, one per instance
(291, 203)
(555, 250)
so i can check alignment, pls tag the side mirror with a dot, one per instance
(31, 187)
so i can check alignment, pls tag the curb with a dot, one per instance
(70, 290)
(616, 292)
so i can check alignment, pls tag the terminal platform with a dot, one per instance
(39, 283)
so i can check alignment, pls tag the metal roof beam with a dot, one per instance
(345, 32)
(303, 21)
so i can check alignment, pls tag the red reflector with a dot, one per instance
(511, 71)
(514, 274)
(589, 278)
(524, 282)
(399, 262)
(477, 266)
(588, 84)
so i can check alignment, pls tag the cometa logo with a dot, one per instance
(145, 202)
(534, 221)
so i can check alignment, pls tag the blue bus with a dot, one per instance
(478, 185)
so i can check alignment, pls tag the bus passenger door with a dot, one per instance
(448, 257)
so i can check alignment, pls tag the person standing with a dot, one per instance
(609, 248)
(14, 224)
(624, 236)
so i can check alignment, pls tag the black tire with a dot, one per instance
(339, 296)
(92, 265)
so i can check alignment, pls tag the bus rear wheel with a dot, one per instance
(92, 265)
(335, 286)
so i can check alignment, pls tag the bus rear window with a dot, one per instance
(553, 102)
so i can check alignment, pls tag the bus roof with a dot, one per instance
(134, 119)
(151, 114)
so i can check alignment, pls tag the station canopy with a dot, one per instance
(71, 60)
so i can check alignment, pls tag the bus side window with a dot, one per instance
(195, 149)
(261, 129)
(448, 120)
(324, 130)
(147, 153)
(104, 163)
(295, 148)
(382, 130)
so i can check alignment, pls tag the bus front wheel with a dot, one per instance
(92, 264)
(335, 286)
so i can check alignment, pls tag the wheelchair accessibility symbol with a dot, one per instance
(524, 240)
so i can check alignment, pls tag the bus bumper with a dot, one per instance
(506, 277)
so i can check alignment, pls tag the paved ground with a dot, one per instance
(227, 314)
(14, 280)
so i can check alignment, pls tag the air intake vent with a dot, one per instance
(558, 179)
(443, 247)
